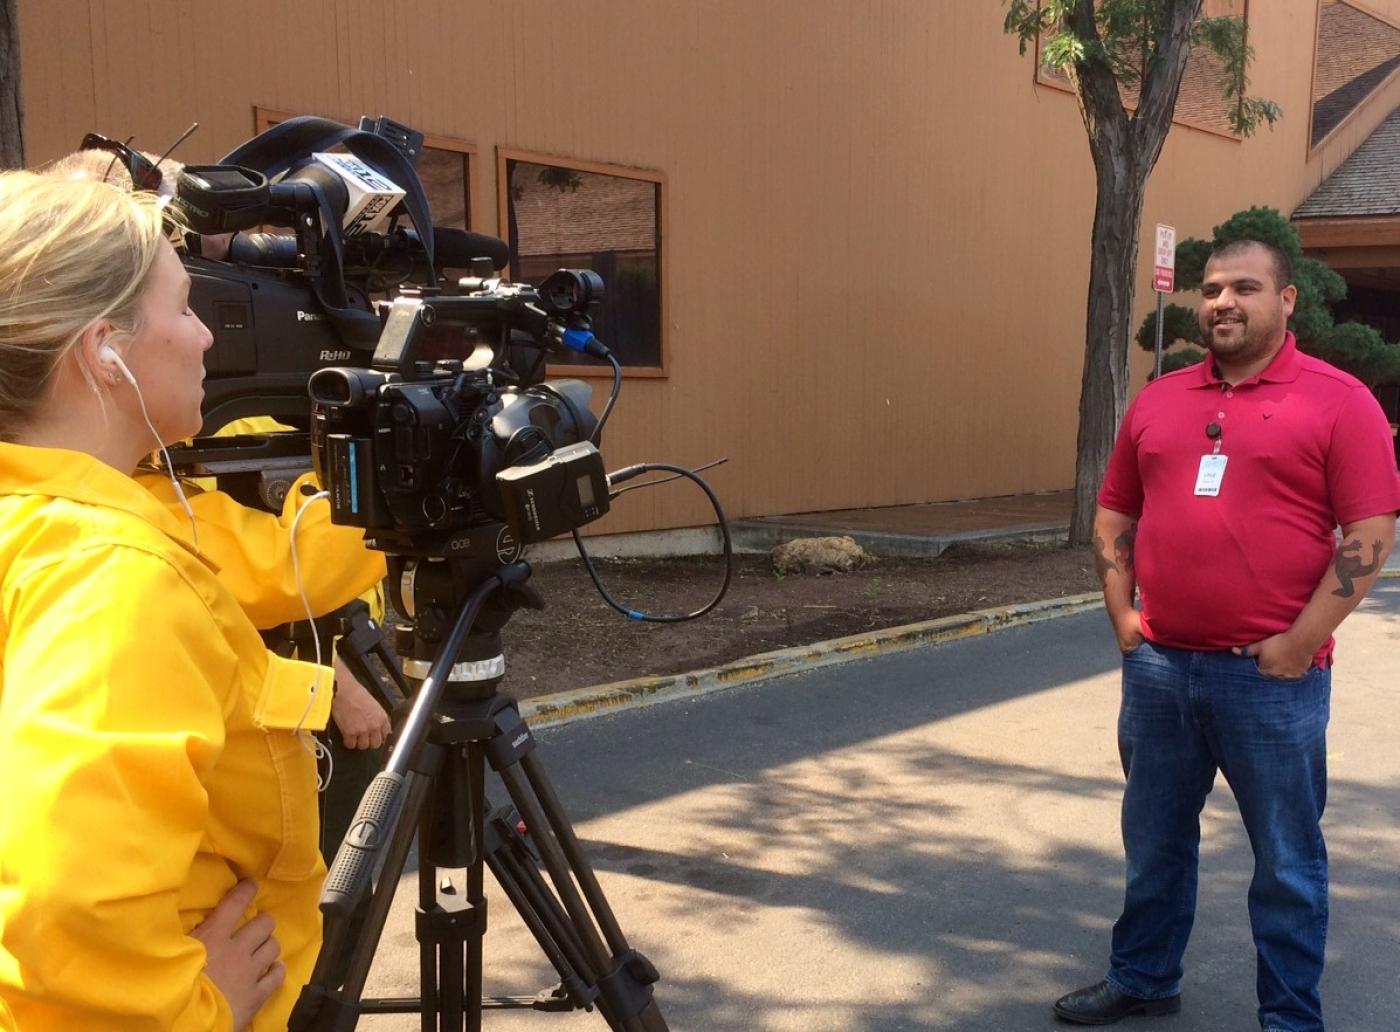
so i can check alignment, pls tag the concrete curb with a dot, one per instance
(563, 707)
(581, 703)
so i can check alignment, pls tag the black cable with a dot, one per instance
(666, 480)
(612, 398)
(632, 614)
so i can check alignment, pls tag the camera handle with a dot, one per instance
(433, 785)
(362, 639)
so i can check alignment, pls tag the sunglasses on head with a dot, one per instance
(144, 175)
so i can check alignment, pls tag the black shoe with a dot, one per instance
(1101, 1004)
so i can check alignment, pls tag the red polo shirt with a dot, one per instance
(1308, 449)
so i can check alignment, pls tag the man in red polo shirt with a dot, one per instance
(1219, 509)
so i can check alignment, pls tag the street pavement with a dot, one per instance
(929, 840)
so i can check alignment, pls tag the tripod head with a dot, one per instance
(429, 591)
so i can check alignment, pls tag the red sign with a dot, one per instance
(1164, 265)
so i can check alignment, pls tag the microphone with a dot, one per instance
(452, 248)
(455, 248)
(278, 250)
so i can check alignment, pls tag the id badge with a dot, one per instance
(1211, 475)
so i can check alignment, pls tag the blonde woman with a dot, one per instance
(159, 861)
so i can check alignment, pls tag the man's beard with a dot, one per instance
(1251, 340)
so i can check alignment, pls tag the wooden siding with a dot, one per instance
(877, 223)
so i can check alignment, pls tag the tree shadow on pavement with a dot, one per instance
(926, 841)
(833, 910)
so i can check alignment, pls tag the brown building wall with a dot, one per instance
(877, 221)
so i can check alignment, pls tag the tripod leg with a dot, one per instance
(430, 983)
(516, 872)
(476, 882)
(650, 1014)
(573, 850)
(624, 978)
(326, 1002)
(451, 923)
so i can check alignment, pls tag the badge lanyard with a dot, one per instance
(1212, 472)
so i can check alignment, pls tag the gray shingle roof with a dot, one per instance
(1355, 53)
(1367, 183)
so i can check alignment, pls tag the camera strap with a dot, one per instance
(277, 149)
(285, 144)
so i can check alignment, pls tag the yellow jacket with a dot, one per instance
(253, 551)
(147, 758)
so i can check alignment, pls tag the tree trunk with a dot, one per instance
(11, 111)
(1108, 330)
(1125, 151)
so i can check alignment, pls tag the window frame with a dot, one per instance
(265, 118)
(1313, 148)
(508, 154)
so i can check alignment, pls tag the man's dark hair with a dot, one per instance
(1283, 265)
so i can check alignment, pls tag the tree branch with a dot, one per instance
(1160, 87)
(1096, 87)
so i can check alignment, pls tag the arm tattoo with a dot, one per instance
(1348, 566)
(1123, 548)
(1122, 557)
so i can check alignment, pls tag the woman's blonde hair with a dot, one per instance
(72, 252)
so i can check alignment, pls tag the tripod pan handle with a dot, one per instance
(370, 831)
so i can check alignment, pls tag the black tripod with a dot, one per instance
(434, 783)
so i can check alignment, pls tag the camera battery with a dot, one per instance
(566, 490)
(354, 500)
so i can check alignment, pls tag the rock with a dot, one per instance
(819, 555)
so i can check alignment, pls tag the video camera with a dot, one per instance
(424, 443)
(431, 413)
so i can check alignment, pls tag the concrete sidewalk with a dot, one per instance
(910, 531)
(921, 530)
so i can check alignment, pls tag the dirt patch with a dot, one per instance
(579, 641)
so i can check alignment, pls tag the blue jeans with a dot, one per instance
(1185, 715)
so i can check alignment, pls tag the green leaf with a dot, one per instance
(1360, 350)
(1331, 288)
(1178, 323)
(1261, 223)
(1062, 50)
(1180, 359)
(1227, 37)
(1026, 19)
(1191, 257)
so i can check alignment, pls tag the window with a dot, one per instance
(1200, 103)
(444, 169)
(1356, 53)
(561, 214)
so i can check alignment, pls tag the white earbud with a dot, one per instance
(107, 353)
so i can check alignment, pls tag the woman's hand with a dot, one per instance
(362, 722)
(241, 961)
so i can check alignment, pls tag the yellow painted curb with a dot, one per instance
(562, 707)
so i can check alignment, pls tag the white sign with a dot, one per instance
(370, 196)
(1164, 264)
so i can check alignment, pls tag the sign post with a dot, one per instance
(1163, 282)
